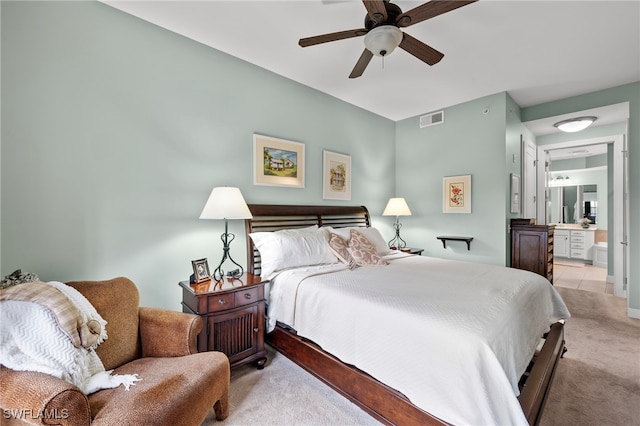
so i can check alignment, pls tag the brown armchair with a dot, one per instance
(179, 386)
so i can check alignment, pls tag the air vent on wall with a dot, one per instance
(432, 119)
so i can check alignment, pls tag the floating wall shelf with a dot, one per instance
(444, 240)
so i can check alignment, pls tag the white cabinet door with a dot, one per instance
(561, 243)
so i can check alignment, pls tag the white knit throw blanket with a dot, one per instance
(32, 340)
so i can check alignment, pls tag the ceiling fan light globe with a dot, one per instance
(382, 40)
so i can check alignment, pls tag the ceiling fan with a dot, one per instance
(382, 32)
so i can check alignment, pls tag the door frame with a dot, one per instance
(529, 195)
(618, 199)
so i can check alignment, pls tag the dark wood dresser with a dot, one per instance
(532, 247)
(233, 311)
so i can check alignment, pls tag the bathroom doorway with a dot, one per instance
(615, 223)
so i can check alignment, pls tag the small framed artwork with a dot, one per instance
(456, 194)
(336, 176)
(515, 193)
(200, 270)
(277, 162)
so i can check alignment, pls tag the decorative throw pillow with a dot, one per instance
(363, 252)
(18, 277)
(372, 234)
(338, 246)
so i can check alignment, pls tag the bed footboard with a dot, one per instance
(380, 401)
(390, 406)
(535, 390)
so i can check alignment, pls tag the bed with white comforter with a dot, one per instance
(454, 337)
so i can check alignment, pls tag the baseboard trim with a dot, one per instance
(633, 313)
(610, 279)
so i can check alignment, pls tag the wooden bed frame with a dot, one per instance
(380, 401)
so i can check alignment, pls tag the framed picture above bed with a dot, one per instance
(336, 176)
(277, 162)
(456, 194)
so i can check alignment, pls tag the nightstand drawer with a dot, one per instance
(246, 297)
(220, 302)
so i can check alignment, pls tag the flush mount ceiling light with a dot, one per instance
(575, 124)
(382, 40)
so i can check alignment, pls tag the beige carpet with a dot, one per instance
(284, 394)
(597, 381)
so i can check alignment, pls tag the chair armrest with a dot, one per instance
(165, 333)
(39, 398)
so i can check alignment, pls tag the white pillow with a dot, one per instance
(290, 248)
(372, 234)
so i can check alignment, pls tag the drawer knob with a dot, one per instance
(221, 301)
(255, 330)
(247, 296)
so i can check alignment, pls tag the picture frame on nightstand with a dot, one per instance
(200, 270)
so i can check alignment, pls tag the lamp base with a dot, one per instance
(218, 273)
(397, 242)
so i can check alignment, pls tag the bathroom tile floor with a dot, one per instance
(581, 276)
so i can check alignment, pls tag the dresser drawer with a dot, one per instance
(246, 297)
(221, 302)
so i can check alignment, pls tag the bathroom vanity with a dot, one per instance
(574, 242)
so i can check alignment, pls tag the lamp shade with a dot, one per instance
(226, 203)
(396, 207)
(575, 124)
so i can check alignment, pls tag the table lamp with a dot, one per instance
(226, 203)
(397, 207)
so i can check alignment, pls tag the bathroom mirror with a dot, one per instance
(569, 204)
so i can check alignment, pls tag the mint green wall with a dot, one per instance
(625, 93)
(115, 131)
(470, 141)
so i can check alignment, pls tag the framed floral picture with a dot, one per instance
(336, 176)
(456, 194)
(277, 162)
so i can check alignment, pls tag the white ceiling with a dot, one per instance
(537, 51)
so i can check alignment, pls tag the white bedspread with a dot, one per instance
(454, 337)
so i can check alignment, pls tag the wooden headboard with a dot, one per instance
(271, 217)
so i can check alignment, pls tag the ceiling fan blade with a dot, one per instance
(425, 53)
(429, 10)
(376, 10)
(324, 38)
(362, 63)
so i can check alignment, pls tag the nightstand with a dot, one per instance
(412, 250)
(233, 310)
